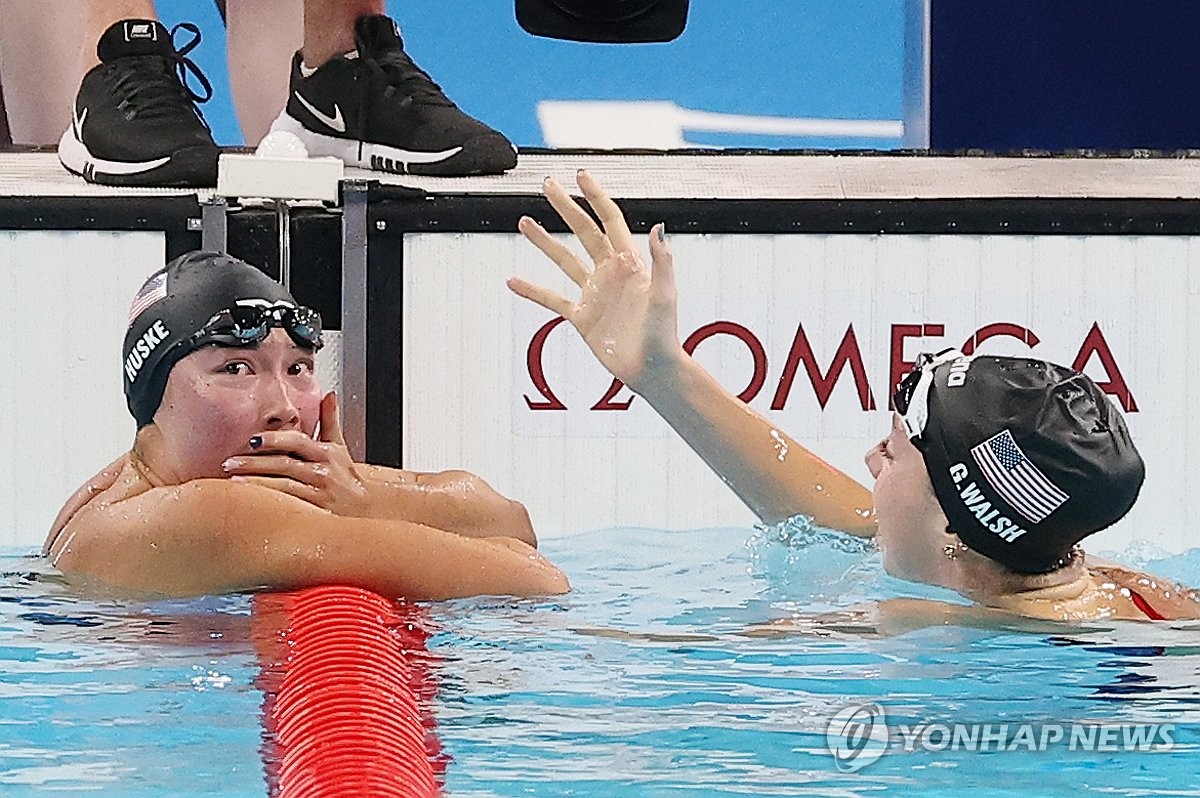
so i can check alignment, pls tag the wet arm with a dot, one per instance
(892, 617)
(775, 476)
(456, 501)
(214, 536)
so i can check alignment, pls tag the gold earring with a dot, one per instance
(951, 550)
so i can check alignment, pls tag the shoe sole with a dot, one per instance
(191, 167)
(454, 162)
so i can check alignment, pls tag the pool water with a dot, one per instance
(652, 678)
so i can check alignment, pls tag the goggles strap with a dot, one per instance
(916, 416)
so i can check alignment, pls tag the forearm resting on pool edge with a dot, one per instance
(213, 536)
(775, 476)
(456, 501)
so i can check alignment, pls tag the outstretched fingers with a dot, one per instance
(612, 247)
(550, 300)
(554, 249)
(618, 235)
(581, 223)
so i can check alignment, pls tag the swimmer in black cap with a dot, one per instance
(239, 477)
(995, 468)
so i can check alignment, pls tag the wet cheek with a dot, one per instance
(223, 409)
(231, 422)
(204, 435)
(226, 406)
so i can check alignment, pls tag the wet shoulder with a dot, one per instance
(135, 517)
(116, 482)
(1146, 596)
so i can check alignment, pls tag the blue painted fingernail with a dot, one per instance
(662, 231)
(256, 441)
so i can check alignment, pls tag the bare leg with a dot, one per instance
(329, 27)
(263, 35)
(39, 57)
(101, 14)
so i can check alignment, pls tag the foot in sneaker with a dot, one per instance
(376, 109)
(135, 121)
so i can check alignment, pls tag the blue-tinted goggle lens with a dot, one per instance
(245, 325)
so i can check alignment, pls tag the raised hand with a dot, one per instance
(318, 471)
(625, 312)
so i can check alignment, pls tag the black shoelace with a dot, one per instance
(140, 80)
(402, 76)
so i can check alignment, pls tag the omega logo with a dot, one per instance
(848, 357)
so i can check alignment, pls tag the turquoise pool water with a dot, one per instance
(648, 680)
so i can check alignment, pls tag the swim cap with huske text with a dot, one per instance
(172, 305)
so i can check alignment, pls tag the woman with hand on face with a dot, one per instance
(239, 477)
(992, 472)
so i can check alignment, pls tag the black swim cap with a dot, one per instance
(1026, 458)
(172, 305)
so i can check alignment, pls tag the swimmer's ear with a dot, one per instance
(331, 421)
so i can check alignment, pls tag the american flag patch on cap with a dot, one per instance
(1016, 479)
(154, 290)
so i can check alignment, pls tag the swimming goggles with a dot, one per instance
(911, 399)
(244, 325)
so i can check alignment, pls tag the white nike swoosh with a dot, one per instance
(79, 123)
(335, 122)
(120, 168)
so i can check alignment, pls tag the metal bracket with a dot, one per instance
(214, 229)
(354, 316)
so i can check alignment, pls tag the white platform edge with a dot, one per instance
(739, 176)
(243, 175)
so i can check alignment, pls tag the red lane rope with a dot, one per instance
(345, 674)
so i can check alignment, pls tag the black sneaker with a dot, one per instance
(135, 121)
(376, 109)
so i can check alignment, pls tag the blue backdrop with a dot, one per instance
(1100, 74)
(789, 58)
